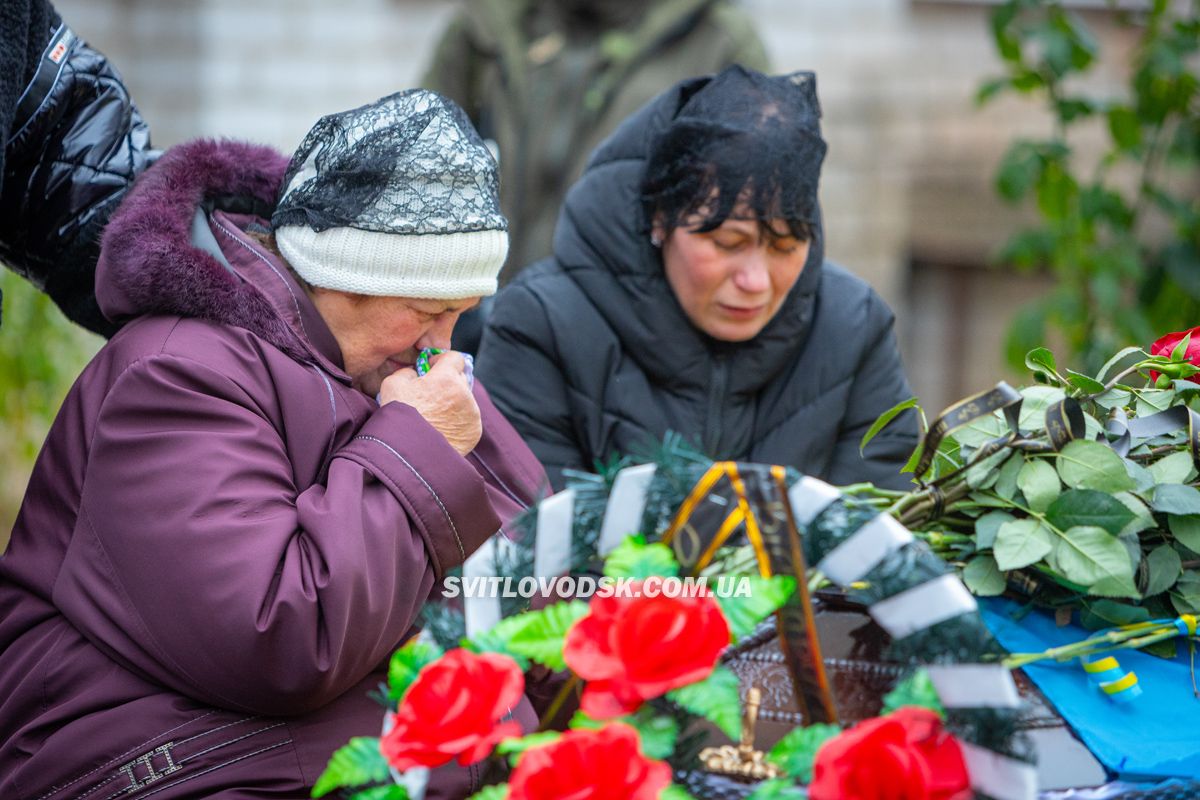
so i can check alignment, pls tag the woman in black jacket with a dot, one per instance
(71, 145)
(688, 292)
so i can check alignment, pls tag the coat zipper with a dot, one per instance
(714, 415)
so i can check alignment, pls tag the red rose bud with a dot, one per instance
(454, 708)
(604, 764)
(903, 756)
(1165, 345)
(632, 648)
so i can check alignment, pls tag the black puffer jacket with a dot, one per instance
(73, 142)
(589, 354)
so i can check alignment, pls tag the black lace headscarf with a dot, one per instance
(750, 142)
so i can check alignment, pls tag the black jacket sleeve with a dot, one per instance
(73, 145)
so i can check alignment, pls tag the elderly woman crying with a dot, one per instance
(249, 493)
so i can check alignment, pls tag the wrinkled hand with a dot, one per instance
(442, 396)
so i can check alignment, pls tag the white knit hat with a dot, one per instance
(397, 198)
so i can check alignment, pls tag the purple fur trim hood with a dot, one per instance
(148, 264)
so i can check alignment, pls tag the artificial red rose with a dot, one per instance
(903, 756)
(454, 708)
(1165, 344)
(604, 764)
(632, 648)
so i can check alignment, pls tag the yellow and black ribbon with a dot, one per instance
(1065, 423)
(752, 497)
(966, 411)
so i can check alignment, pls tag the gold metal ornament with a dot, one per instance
(742, 760)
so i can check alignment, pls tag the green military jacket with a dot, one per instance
(548, 87)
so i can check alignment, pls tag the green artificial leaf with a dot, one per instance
(497, 791)
(983, 577)
(797, 750)
(633, 558)
(1175, 499)
(539, 635)
(1142, 518)
(1091, 465)
(1089, 386)
(1186, 594)
(1099, 614)
(915, 690)
(1173, 468)
(1040, 359)
(767, 595)
(675, 792)
(357, 762)
(517, 747)
(1087, 555)
(1163, 568)
(777, 789)
(1022, 542)
(1076, 507)
(407, 662)
(716, 699)
(1038, 481)
(882, 421)
(1186, 530)
(656, 732)
(988, 525)
(392, 791)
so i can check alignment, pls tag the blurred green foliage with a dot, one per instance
(1124, 240)
(41, 354)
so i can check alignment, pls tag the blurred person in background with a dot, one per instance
(71, 144)
(249, 492)
(548, 80)
(689, 292)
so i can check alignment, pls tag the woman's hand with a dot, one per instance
(442, 396)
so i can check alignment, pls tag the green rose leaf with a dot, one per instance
(885, 418)
(777, 789)
(1114, 398)
(1115, 587)
(357, 762)
(497, 791)
(1087, 555)
(1152, 401)
(983, 577)
(1077, 507)
(1037, 400)
(1040, 359)
(1090, 465)
(796, 751)
(1006, 480)
(1186, 594)
(1143, 479)
(1142, 518)
(1186, 530)
(1022, 542)
(1083, 383)
(983, 474)
(767, 595)
(1097, 614)
(1119, 363)
(1175, 499)
(1038, 481)
(635, 559)
(392, 791)
(539, 635)
(406, 663)
(716, 699)
(915, 690)
(1175, 468)
(988, 525)
(1163, 568)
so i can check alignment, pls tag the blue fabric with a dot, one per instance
(1155, 736)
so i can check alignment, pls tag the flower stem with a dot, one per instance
(568, 688)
